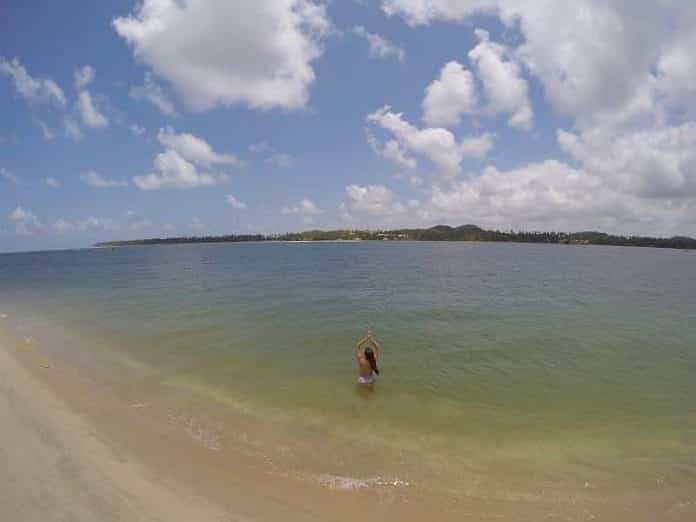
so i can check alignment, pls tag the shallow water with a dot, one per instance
(510, 372)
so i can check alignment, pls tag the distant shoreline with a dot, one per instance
(465, 233)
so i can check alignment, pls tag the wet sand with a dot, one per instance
(56, 466)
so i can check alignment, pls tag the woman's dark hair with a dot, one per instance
(370, 356)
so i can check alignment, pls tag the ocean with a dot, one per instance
(560, 377)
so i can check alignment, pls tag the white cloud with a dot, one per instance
(281, 160)
(193, 148)
(552, 195)
(93, 179)
(624, 72)
(417, 12)
(89, 114)
(178, 166)
(84, 76)
(594, 59)
(30, 88)
(52, 182)
(72, 129)
(380, 47)
(151, 92)
(234, 202)
(450, 97)
(176, 172)
(375, 200)
(26, 222)
(136, 129)
(505, 88)
(659, 163)
(391, 151)
(225, 53)
(306, 208)
(9, 176)
(437, 144)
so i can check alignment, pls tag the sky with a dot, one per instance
(123, 119)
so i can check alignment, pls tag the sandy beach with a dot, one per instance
(56, 466)
(81, 450)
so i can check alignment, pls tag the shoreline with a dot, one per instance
(112, 456)
(58, 466)
(104, 445)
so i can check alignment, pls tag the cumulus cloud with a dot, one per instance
(151, 92)
(437, 144)
(89, 114)
(450, 96)
(30, 88)
(94, 179)
(194, 148)
(592, 58)
(391, 150)
(84, 76)
(178, 166)
(306, 208)
(218, 52)
(234, 202)
(659, 163)
(52, 182)
(505, 88)
(378, 46)
(624, 73)
(644, 182)
(375, 200)
(551, 195)
(174, 171)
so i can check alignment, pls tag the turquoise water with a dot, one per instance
(509, 371)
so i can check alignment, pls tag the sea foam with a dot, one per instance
(348, 483)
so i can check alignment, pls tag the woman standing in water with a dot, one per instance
(367, 359)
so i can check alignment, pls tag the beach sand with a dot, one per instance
(56, 466)
(81, 450)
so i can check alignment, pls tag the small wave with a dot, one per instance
(350, 483)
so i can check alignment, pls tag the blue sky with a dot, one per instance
(124, 119)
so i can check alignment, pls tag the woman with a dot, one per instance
(367, 359)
